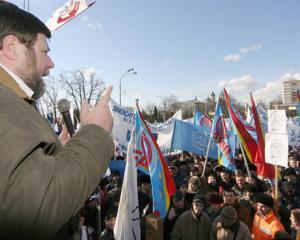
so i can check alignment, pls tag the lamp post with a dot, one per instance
(130, 71)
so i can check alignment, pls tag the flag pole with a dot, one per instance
(209, 141)
(245, 159)
(276, 182)
(207, 151)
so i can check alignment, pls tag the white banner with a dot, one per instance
(71, 9)
(124, 121)
(127, 225)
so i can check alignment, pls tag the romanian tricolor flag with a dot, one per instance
(263, 169)
(163, 186)
(244, 136)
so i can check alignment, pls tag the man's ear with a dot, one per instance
(9, 46)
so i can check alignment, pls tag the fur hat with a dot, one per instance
(264, 199)
(228, 216)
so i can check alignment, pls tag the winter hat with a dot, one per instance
(228, 216)
(178, 196)
(287, 186)
(251, 188)
(199, 199)
(215, 199)
(264, 199)
(112, 212)
(290, 171)
(282, 235)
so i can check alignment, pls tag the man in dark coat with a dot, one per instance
(194, 223)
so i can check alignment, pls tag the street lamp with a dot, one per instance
(130, 71)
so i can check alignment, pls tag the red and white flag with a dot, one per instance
(71, 9)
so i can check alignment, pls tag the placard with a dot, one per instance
(276, 149)
(277, 121)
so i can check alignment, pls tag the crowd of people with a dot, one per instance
(220, 204)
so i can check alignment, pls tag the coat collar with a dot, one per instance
(7, 81)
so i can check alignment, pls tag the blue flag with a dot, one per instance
(202, 120)
(221, 136)
(148, 154)
(191, 138)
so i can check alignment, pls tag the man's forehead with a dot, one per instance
(42, 40)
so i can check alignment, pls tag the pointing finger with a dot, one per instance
(84, 108)
(105, 96)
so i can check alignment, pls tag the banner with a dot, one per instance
(64, 14)
(127, 225)
(293, 133)
(124, 121)
(191, 138)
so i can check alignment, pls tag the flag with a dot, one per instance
(221, 137)
(71, 9)
(127, 225)
(191, 138)
(263, 169)
(201, 119)
(244, 136)
(163, 186)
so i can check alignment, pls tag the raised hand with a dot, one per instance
(100, 114)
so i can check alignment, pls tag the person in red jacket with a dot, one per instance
(265, 223)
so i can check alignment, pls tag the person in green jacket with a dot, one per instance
(43, 184)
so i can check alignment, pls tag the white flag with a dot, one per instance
(127, 225)
(71, 9)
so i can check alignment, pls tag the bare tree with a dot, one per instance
(51, 95)
(170, 105)
(82, 85)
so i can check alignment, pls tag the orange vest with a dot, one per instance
(264, 228)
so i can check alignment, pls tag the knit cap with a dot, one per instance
(264, 199)
(228, 216)
(198, 198)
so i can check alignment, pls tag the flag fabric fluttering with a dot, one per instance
(68, 11)
(221, 136)
(192, 138)
(127, 225)
(263, 169)
(163, 186)
(244, 136)
(201, 119)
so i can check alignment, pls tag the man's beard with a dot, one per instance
(39, 88)
(32, 79)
